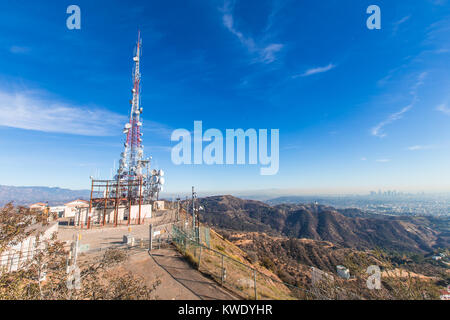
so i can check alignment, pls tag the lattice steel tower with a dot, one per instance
(129, 165)
(132, 163)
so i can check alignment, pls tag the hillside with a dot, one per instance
(348, 228)
(292, 259)
(27, 195)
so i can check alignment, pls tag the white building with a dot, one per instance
(58, 211)
(72, 208)
(76, 212)
(39, 206)
(15, 256)
(123, 214)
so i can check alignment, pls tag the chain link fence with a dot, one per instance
(234, 275)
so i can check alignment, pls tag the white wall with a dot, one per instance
(59, 210)
(15, 256)
(97, 214)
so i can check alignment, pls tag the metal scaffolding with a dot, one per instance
(112, 194)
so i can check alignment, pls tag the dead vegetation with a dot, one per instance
(45, 276)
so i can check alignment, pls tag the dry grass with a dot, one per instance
(239, 271)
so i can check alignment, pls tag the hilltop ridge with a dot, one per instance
(350, 228)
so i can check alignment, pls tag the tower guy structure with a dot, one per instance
(134, 187)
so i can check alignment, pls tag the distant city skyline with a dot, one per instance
(357, 109)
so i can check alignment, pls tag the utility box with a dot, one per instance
(128, 239)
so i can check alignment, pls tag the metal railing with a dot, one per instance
(234, 275)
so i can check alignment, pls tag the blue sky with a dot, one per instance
(357, 109)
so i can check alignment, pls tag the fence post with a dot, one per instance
(150, 242)
(254, 284)
(199, 258)
(222, 270)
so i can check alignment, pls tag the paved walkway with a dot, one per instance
(179, 281)
(102, 237)
(176, 267)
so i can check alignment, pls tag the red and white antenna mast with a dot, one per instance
(129, 166)
(132, 164)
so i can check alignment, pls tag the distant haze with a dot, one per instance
(29, 195)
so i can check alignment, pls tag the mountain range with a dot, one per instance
(29, 195)
(350, 228)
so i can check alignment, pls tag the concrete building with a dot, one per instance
(58, 211)
(76, 212)
(72, 208)
(39, 206)
(15, 256)
(123, 214)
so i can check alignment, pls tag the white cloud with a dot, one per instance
(378, 129)
(419, 147)
(418, 83)
(228, 21)
(312, 71)
(35, 111)
(396, 25)
(265, 53)
(441, 50)
(383, 160)
(402, 20)
(443, 108)
(363, 159)
(19, 49)
(439, 2)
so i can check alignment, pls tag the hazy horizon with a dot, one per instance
(276, 192)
